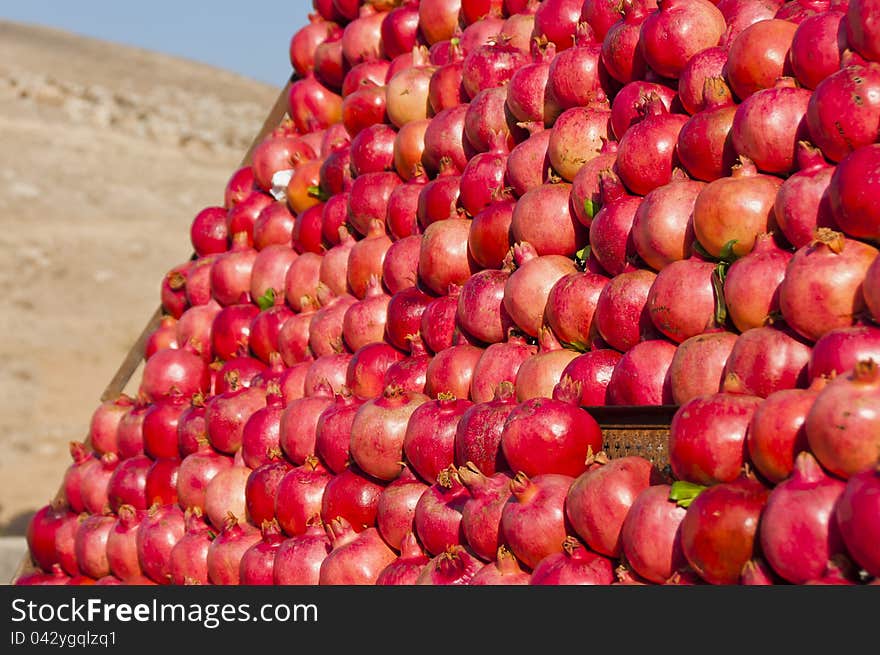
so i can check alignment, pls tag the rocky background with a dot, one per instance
(106, 154)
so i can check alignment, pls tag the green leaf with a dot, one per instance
(267, 300)
(580, 346)
(591, 207)
(684, 493)
(582, 255)
(719, 274)
(316, 192)
(727, 254)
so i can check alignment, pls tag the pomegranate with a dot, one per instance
(641, 377)
(764, 360)
(122, 552)
(533, 522)
(491, 65)
(844, 110)
(622, 317)
(704, 147)
(41, 531)
(400, 267)
(621, 53)
(540, 373)
(650, 535)
(104, 423)
(226, 550)
(196, 470)
(161, 528)
(803, 202)
(861, 28)
(405, 570)
(777, 433)
(451, 370)
(662, 228)
(438, 326)
(302, 280)
(437, 517)
(307, 38)
(830, 261)
(578, 135)
(489, 125)
(379, 429)
(720, 529)
(480, 309)
(396, 508)
(600, 15)
(528, 164)
(707, 63)
(730, 212)
(768, 125)
(503, 570)
(438, 19)
(444, 257)
(481, 513)
(545, 435)
(542, 218)
(576, 76)
(528, 99)
(454, 566)
(856, 516)
(405, 311)
(298, 559)
(261, 487)
(681, 301)
(678, 30)
(707, 437)
(759, 55)
(642, 168)
(478, 433)
(802, 506)
(838, 351)
(482, 181)
(600, 498)
(429, 440)
(627, 102)
(366, 369)
(586, 187)
(499, 363)
(311, 105)
(815, 48)
(842, 423)
(528, 287)
(851, 189)
(225, 493)
(208, 232)
(751, 284)
(445, 139)
(127, 483)
(299, 495)
(697, 367)
(299, 420)
(90, 544)
(575, 565)
(352, 495)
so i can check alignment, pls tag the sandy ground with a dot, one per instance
(106, 154)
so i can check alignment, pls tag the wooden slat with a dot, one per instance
(135, 354)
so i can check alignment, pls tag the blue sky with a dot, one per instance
(249, 38)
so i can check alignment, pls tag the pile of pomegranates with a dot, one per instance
(480, 222)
